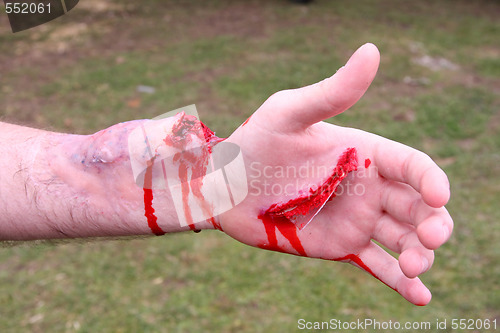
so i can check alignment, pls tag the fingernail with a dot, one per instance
(348, 61)
(425, 264)
(363, 45)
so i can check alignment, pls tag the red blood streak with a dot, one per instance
(148, 201)
(286, 228)
(367, 163)
(246, 121)
(347, 162)
(193, 163)
(278, 216)
(354, 258)
(357, 260)
(210, 138)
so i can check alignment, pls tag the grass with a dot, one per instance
(228, 57)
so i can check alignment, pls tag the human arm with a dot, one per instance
(57, 185)
(401, 205)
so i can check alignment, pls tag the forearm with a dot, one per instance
(61, 185)
(16, 144)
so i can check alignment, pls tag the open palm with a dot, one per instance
(389, 192)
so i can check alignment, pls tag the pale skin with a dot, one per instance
(59, 185)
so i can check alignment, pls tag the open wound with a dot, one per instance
(297, 213)
(202, 173)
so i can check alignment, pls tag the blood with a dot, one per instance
(246, 121)
(347, 162)
(367, 163)
(194, 160)
(357, 260)
(286, 228)
(279, 215)
(148, 201)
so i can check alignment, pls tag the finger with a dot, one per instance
(402, 238)
(433, 230)
(384, 267)
(404, 204)
(298, 109)
(401, 163)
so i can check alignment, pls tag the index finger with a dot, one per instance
(402, 163)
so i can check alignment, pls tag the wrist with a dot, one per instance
(105, 197)
(92, 191)
(75, 190)
(171, 159)
(85, 185)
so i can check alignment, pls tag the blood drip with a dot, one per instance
(367, 163)
(279, 215)
(286, 228)
(194, 160)
(357, 260)
(148, 201)
(246, 121)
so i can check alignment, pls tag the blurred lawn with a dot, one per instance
(437, 90)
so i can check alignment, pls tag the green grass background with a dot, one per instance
(79, 74)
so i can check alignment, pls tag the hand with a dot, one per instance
(396, 194)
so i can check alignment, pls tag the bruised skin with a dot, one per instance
(102, 163)
(109, 147)
(94, 173)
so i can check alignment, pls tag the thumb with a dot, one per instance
(297, 109)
